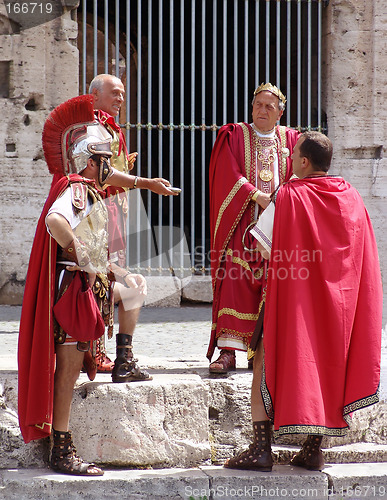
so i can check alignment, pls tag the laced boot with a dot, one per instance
(125, 367)
(258, 455)
(64, 457)
(310, 456)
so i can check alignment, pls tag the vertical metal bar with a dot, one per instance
(309, 65)
(202, 135)
(214, 63)
(267, 40)
(245, 61)
(160, 134)
(225, 55)
(214, 79)
(117, 37)
(139, 99)
(149, 132)
(95, 38)
(256, 25)
(127, 113)
(171, 107)
(193, 77)
(278, 45)
(106, 36)
(84, 52)
(288, 60)
(319, 35)
(235, 91)
(181, 135)
(299, 63)
(128, 72)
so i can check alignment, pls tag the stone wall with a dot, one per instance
(355, 76)
(40, 70)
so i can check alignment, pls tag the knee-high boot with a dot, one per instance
(258, 455)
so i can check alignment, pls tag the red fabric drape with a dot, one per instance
(36, 356)
(323, 316)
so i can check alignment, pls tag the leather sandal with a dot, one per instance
(310, 456)
(224, 363)
(64, 458)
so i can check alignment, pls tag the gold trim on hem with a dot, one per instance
(41, 427)
(311, 429)
(236, 314)
(361, 403)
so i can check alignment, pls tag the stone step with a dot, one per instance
(335, 482)
(175, 420)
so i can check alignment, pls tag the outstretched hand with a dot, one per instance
(161, 186)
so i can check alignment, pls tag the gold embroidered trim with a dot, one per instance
(239, 183)
(266, 398)
(259, 273)
(247, 141)
(236, 314)
(311, 429)
(41, 427)
(238, 260)
(234, 334)
(361, 403)
(282, 163)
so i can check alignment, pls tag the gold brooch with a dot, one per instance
(285, 152)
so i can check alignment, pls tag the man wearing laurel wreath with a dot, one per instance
(248, 162)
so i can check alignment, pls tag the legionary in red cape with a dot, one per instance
(323, 316)
(77, 151)
(248, 162)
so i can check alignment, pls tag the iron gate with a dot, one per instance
(190, 66)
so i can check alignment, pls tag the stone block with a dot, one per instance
(159, 423)
(197, 289)
(357, 481)
(171, 484)
(282, 482)
(163, 291)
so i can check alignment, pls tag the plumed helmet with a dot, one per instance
(87, 141)
(71, 135)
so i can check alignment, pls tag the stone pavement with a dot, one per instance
(172, 343)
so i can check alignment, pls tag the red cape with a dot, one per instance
(323, 316)
(36, 355)
(230, 214)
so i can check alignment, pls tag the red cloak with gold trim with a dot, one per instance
(323, 315)
(236, 291)
(36, 355)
